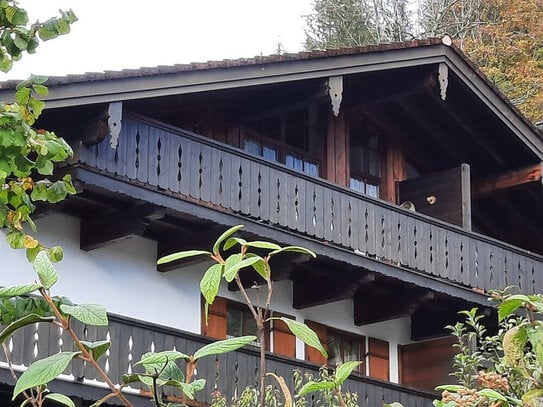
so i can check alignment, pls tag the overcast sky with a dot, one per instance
(117, 34)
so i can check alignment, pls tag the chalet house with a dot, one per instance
(417, 184)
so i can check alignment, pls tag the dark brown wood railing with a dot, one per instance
(194, 167)
(229, 373)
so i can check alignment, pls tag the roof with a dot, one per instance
(131, 84)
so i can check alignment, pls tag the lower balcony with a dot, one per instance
(229, 373)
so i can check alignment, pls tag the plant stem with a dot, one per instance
(85, 354)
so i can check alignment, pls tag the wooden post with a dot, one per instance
(337, 151)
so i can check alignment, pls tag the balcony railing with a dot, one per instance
(229, 373)
(193, 167)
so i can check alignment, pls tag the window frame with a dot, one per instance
(282, 147)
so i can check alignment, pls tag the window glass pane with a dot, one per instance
(269, 153)
(311, 169)
(297, 129)
(342, 349)
(357, 185)
(252, 147)
(234, 322)
(294, 163)
(372, 190)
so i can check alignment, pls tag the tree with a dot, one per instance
(509, 50)
(350, 23)
(25, 151)
(504, 38)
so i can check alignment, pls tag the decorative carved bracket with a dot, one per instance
(443, 77)
(335, 90)
(115, 115)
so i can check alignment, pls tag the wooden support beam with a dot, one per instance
(382, 91)
(99, 231)
(309, 291)
(485, 186)
(377, 304)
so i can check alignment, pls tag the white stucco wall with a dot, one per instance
(122, 276)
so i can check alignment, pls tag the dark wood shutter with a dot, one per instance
(425, 365)
(216, 321)
(378, 359)
(311, 354)
(284, 342)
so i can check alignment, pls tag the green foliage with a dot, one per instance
(351, 23)
(505, 369)
(224, 346)
(18, 36)
(304, 333)
(24, 151)
(43, 371)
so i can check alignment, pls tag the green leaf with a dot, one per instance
(158, 360)
(510, 305)
(43, 371)
(296, 249)
(44, 268)
(304, 333)
(223, 237)
(224, 346)
(8, 292)
(491, 394)
(455, 388)
(91, 314)
(61, 399)
(263, 245)
(22, 322)
(532, 398)
(344, 370)
(38, 79)
(41, 90)
(210, 283)
(55, 254)
(231, 242)
(395, 404)
(232, 269)
(199, 384)
(312, 386)
(182, 255)
(262, 268)
(97, 349)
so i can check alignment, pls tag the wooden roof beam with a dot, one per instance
(98, 231)
(377, 304)
(309, 291)
(485, 186)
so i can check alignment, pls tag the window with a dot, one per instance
(240, 322)
(344, 346)
(228, 319)
(365, 160)
(289, 138)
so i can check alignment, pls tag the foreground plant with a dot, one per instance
(227, 268)
(501, 370)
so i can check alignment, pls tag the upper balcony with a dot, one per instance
(201, 181)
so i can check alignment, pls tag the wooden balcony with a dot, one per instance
(189, 167)
(229, 373)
